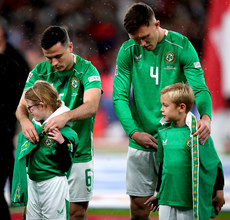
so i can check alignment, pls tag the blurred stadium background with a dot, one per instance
(96, 30)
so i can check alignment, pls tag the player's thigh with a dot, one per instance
(81, 182)
(141, 173)
(54, 198)
(137, 204)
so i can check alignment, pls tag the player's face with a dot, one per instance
(147, 36)
(37, 110)
(60, 57)
(169, 110)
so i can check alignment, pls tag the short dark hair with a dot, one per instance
(137, 15)
(52, 35)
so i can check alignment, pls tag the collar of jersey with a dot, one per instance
(59, 111)
(188, 121)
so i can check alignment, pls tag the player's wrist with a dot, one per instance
(134, 134)
(68, 116)
(206, 118)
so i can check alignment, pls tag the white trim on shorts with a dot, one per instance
(81, 181)
(141, 173)
(48, 199)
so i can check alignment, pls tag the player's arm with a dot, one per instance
(91, 100)
(195, 77)
(121, 92)
(27, 126)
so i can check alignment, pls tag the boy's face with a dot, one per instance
(59, 57)
(169, 110)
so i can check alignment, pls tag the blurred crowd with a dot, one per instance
(96, 30)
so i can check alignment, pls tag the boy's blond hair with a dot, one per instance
(43, 91)
(180, 93)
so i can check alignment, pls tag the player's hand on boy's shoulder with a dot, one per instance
(29, 131)
(152, 203)
(145, 140)
(203, 129)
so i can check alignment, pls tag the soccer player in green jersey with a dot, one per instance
(79, 85)
(152, 59)
(190, 174)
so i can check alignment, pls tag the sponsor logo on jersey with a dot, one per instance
(170, 57)
(48, 142)
(197, 64)
(94, 78)
(138, 58)
(74, 83)
(188, 143)
(165, 142)
(29, 76)
(169, 68)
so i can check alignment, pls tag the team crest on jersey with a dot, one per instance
(48, 142)
(74, 83)
(188, 143)
(170, 57)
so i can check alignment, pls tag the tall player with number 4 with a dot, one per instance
(152, 59)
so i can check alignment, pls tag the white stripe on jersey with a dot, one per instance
(174, 44)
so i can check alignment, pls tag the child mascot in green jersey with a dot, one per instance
(191, 177)
(43, 188)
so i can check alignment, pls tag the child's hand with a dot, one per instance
(56, 135)
(218, 201)
(152, 203)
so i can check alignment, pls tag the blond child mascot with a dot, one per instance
(191, 177)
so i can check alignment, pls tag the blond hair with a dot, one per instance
(180, 93)
(43, 91)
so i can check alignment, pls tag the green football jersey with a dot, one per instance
(71, 85)
(42, 163)
(147, 73)
(174, 150)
